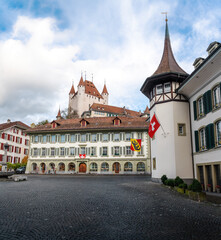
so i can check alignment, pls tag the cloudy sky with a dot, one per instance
(46, 44)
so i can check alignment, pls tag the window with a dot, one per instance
(200, 109)
(128, 167)
(202, 139)
(218, 133)
(154, 163)
(52, 151)
(72, 151)
(83, 150)
(104, 151)
(62, 138)
(44, 139)
(62, 151)
(116, 151)
(167, 87)
(105, 137)
(93, 151)
(104, 167)
(83, 137)
(93, 167)
(151, 95)
(116, 136)
(216, 97)
(153, 91)
(35, 139)
(140, 167)
(181, 129)
(73, 138)
(53, 138)
(94, 137)
(159, 89)
(128, 136)
(128, 150)
(35, 152)
(43, 152)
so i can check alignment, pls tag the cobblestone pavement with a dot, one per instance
(102, 207)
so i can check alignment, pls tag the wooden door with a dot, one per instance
(82, 168)
(116, 167)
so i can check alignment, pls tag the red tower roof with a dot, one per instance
(105, 89)
(59, 114)
(81, 82)
(168, 62)
(72, 91)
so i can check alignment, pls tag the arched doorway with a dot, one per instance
(116, 167)
(34, 167)
(71, 167)
(51, 168)
(61, 167)
(42, 167)
(82, 168)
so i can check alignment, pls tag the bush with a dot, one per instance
(183, 185)
(195, 186)
(163, 179)
(170, 182)
(178, 181)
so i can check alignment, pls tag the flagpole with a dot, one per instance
(164, 133)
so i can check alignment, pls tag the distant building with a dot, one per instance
(12, 133)
(89, 145)
(86, 94)
(101, 110)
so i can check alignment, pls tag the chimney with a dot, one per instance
(8, 121)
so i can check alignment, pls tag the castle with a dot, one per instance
(86, 95)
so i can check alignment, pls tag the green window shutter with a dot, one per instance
(209, 101)
(205, 103)
(220, 89)
(194, 110)
(196, 141)
(210, 140)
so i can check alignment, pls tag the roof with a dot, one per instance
(18, 124)
(91, 89)
(168, 62)
(72, 91)
(105, 89)
(81, 82)
(95, 123)
(113, 109)
(59, 113)
(147, 110)
(211, 45)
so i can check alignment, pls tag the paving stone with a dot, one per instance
(102, 207)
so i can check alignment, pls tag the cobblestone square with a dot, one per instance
(102, 207)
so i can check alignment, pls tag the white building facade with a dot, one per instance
(92, 145)
(13, 134)
(203, 89)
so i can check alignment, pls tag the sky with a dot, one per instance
(46, 45)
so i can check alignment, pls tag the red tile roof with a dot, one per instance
(113, 109)
(102, 123)
(59, 113)
(91, 89)
(147, 110)
(81, 82)
(13, 124)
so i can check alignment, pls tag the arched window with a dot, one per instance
(218, 132)
(128, 167)
(104, 167)
(202, 139)
(93, 167)
(140, 167)
(34, 167)
(71, 167)
(216, 97)
(61, 167)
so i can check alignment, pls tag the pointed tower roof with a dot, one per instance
(72, 91)
(81, 82)
(168, 62)
(167, 71)
(105, 89)
(59, 114)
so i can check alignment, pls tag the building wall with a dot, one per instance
(18, 144)
(171, 152)
(134, 158)
(206, 157)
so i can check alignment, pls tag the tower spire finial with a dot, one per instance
(92, 76)
(166, 19)
(85, 75)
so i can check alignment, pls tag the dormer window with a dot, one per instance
(84, 123)
(117, 121)
(167, 87)
(159, 89)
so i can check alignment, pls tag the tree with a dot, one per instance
(24, 160)
(68, 113)
(42, 122)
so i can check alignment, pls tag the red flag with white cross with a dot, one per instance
(154, 125)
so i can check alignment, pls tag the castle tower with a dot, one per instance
(59, 114)
(171, 150)
(105, 94)
(71, 95)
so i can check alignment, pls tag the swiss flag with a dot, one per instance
(82, 155)
(154, 125)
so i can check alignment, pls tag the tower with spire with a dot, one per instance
(171, 146)
(86, 94)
